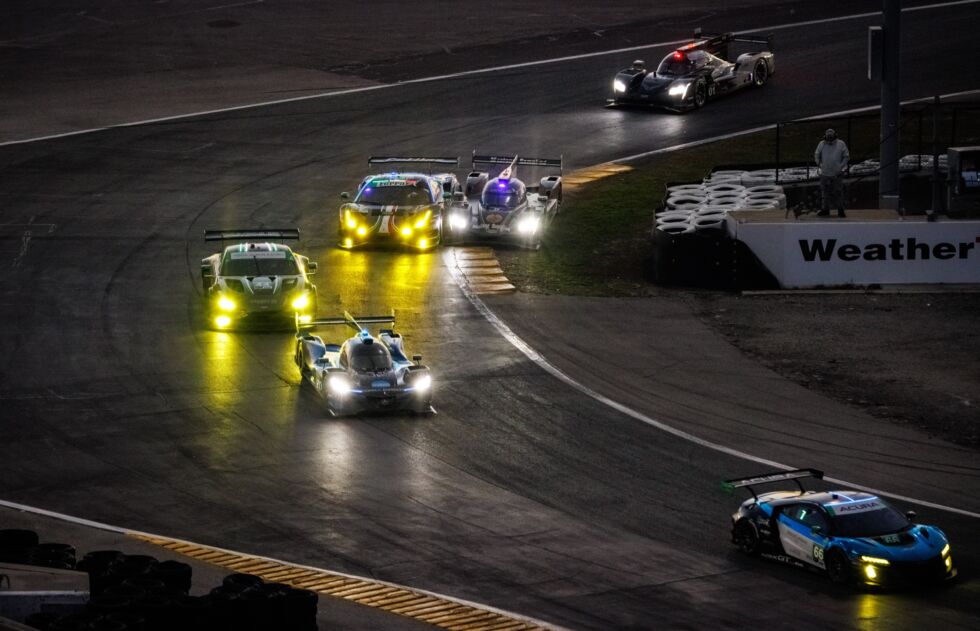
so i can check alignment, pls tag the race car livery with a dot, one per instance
(257, 282)
(364, 373)
(695, 73)
(502, 206)
(397, 208)
(853, 536)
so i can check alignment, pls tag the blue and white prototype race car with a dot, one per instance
(364, 373)
(503, 207)
(855, 537)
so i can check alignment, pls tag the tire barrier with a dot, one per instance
(676, 228)
(140, 593)
(685, 203)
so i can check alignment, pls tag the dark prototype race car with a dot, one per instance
(364, 373)
(855, 537)
(257, 281)
(398, 208)
(695, 73)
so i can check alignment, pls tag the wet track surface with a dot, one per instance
(118, 405)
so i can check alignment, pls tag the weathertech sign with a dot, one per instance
(909, 249)
(841, 253)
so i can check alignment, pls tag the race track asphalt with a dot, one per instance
(118, 405)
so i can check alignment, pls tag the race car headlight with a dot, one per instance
(222, 321)
(350, 221)
(423, 383)
(874, 560)
(949, 563)
(301, 301)
(226, 304)
(424, 219)
(528, 225)
(338, 384)
(457, 222)
(870, 572)
(361, 231)
(679, 89)
(619, 86)
(406, 231)
(945, 551)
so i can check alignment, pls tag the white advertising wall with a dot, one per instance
(833, 253)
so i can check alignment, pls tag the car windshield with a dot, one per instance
(671, 66)
(882, 519)
(259, 264)
(503, 193)
(370, 358)
(395, 192)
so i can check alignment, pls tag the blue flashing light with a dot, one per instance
(367, 190)
(364, 333)
(502, 184)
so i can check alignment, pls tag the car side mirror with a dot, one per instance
(345, 195)
(459, 196)
(310, 268)
(206, 270)
(910, 515)
(817, 530)
(417, 359)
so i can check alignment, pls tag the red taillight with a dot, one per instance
(678, 55)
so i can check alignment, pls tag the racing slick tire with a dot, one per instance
(700, 94)
(760, 74)
(838, 567)
(745, 536)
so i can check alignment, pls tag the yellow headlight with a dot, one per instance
(424, 219)
(949, 563)
(361, 231)
(301, 301)
(222, 321)
(874, 560)
(945, 549)
(406, 231)
(305, 318)
(226, 304)
(423, 243)
(870, 571)
(348, 243)
(350, 221)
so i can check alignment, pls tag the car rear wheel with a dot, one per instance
(700, 94)
(746, 537)
(761, 74)
(838, 567)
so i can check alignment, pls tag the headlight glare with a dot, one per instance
(679, 89)
(424, 219)
(338, 384)
(423, 383)
(874, 560)
(619, 86)
(528, 225)
(226, 304)
(457, 222)
(301, 301)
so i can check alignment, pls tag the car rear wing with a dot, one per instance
(550, 163)
(447, 161)
(251, 235)
(718, 42)
(355, 322)
(769, 478)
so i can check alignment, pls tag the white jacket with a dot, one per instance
(831, 157)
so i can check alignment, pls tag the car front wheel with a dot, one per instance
(700, 94)
(838, 567)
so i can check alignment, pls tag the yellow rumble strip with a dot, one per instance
(481, 271)
(434, 610)
(597, 172)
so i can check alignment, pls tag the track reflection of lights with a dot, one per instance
(222, 363)
(868, 611)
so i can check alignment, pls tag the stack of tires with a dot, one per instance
(702, 207)
(133, 592)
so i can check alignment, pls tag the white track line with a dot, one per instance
(470, 73)
(556, 372)
(125, 531)
(736, 134)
